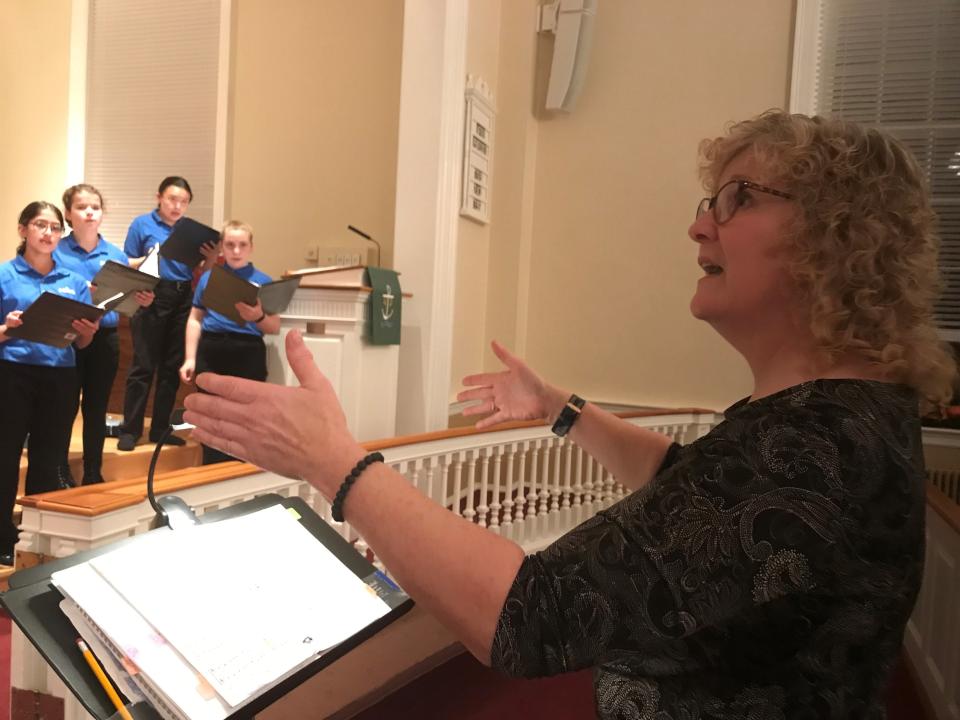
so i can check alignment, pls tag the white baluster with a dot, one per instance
(577, 508)
(567, 472)
(483, 508)
(543, 497)
(507, 529)
(469, 513)
(554, 512)
(588, 509)
(457, 480)
(518, 509)
(495, 504)
(607, 488)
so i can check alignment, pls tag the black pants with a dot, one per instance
(236, 354)
(157, 332)
(96, 369)
(40, 401)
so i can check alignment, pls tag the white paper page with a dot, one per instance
(244, 600)
(161, 667)
(105, 655)
(151, 263)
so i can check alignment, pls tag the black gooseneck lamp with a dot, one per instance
(362, 234)
(170, 510)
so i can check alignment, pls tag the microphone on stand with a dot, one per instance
(362, 234)
(170, 510)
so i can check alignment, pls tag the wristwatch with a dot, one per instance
(568, 416)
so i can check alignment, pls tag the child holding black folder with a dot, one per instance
(84, 251)
(158, 330)
(214, 342)
(38, 383)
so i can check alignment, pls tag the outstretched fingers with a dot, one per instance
(234, 389)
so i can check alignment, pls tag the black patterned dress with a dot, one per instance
(767, 571)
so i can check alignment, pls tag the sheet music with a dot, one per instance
(162, 670)
(244, 600)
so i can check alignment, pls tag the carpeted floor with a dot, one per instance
(464, 689)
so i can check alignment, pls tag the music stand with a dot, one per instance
(34, 605)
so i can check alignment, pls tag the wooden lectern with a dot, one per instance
(331, 309)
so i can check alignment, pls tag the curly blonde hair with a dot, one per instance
(863, 253)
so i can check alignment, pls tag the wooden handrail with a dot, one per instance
(466, 431)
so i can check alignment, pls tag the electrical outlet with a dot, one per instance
(313, 253)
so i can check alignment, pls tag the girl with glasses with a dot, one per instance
(84, 251)
(38, 383)
(766, 569)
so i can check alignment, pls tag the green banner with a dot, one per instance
(385, 301)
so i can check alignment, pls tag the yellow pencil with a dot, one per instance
(102, 677)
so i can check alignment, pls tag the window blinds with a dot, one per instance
(151, 104)
(896, 63)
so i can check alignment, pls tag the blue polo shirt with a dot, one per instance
(20, 285)
(71, 256)
(149, 230)
(214, 321)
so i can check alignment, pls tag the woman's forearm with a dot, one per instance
(458, 571)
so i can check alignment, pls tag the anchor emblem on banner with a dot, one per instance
(386, 306)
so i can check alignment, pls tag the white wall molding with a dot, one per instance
(429, 165)
(223, 111)
(806, 40)
(77, 91)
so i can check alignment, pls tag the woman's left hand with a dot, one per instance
(250, 313)
(299, 432)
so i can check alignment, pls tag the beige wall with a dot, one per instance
(599, 232)
(34, 62)
(315, 91)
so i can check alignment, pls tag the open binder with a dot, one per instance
(49, 320)
(224, 289)
(34, 603)
(186, 239)
(115, 278)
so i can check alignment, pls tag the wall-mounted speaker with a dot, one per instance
(571, 23)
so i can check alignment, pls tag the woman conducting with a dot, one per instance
(84, 251)
(765, 570)
(214, 342)
(38, 383)
(157, 330)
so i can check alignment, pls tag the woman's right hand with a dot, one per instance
(187, 370)
(516, 393)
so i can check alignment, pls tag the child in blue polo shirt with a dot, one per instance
(214, 342)
(38, 383)
(84, 251)
(157, 330)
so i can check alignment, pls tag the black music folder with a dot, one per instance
(186, 239)
(224, 289)
(49, 320)
(116, 278)
(34, 604)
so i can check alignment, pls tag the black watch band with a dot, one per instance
(568, 416)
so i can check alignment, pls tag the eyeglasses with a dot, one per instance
(43, 226)
(731, 197)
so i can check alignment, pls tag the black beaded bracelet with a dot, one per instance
(349, 481)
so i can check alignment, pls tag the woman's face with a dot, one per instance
(236, 247)
(86, 211)
(172, 203)
(745, 285)
(42, 233)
